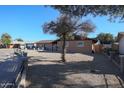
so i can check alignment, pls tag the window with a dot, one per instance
(80, 44)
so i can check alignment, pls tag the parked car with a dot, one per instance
(41, 49)
(22, 46)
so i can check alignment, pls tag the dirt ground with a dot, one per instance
(45, 70)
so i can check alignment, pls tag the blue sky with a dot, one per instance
(25, 22)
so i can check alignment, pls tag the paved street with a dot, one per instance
(81, 70)
(6, 54)
(9, 68)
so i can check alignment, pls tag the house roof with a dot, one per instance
(83, 39)
(45, 41)
(55, 41)
(94, 40)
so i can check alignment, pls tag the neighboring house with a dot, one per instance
(78, 46)
(120, 35)
(119, 45)
(121, 42)
(72, 46)
(17, 44)
(30, 45)
(49, 45)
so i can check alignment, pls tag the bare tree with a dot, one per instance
(66, 25)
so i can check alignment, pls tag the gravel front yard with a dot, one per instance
(46, 71)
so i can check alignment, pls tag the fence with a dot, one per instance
(118, 60)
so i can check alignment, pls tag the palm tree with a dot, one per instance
(64, 26)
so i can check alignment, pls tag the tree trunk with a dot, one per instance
(63, 49)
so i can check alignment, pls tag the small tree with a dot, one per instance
(6, 39)
(64, 26)
(105, 38)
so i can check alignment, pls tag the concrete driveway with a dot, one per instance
(45, 70)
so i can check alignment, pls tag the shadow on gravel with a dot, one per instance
(48, 75)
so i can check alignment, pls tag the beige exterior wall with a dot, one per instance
(48, 46)
(39, 44)
(76, 46)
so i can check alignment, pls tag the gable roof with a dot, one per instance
(45, 41)
(83, 39)
(55, 41)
